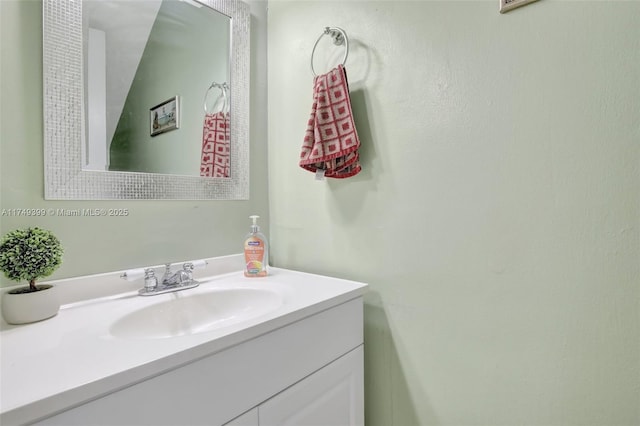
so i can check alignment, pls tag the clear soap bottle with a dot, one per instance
(256, 251)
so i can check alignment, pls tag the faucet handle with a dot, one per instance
(150, 280)
(132, 274)
(188, 267)
(196, 264)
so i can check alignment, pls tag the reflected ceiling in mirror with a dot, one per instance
(174, 172)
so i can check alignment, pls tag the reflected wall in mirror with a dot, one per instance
(137, 55)
(174, 53)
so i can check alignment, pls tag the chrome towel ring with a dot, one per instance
(339, 37)
(224, 88)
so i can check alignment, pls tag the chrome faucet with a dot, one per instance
(178, 277)
(181, 279)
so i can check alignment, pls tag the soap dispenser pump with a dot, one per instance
(256, 253)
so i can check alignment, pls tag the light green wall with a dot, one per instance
(497, 214)
(496, 218)
(154, 231)
(182, 57)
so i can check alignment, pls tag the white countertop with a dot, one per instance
(73, 358)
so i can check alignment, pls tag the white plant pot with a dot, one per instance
(23, 308)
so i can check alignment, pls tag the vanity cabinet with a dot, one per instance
(306, 372)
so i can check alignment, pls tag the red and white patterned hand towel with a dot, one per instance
(331, 142)
(215, 145)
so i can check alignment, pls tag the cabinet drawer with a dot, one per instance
(332, 396)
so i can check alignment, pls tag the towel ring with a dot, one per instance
(339, 37)
(223, 89)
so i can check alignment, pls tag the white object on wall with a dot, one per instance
(507, 5)
(97, 157)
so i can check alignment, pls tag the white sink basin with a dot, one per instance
(191, 313)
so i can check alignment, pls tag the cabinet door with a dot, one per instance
(250, 418)
(332, 396)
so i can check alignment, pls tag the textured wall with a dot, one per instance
(154, 232)
(497, 215)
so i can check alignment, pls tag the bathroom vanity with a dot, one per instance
(281, 350)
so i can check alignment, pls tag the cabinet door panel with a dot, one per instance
(332, 396)
(250, 418)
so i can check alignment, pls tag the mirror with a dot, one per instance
(157, 98)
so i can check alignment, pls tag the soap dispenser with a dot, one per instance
(256, 252)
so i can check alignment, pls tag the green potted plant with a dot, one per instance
(29, 254)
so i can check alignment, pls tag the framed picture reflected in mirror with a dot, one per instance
(165, 116)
